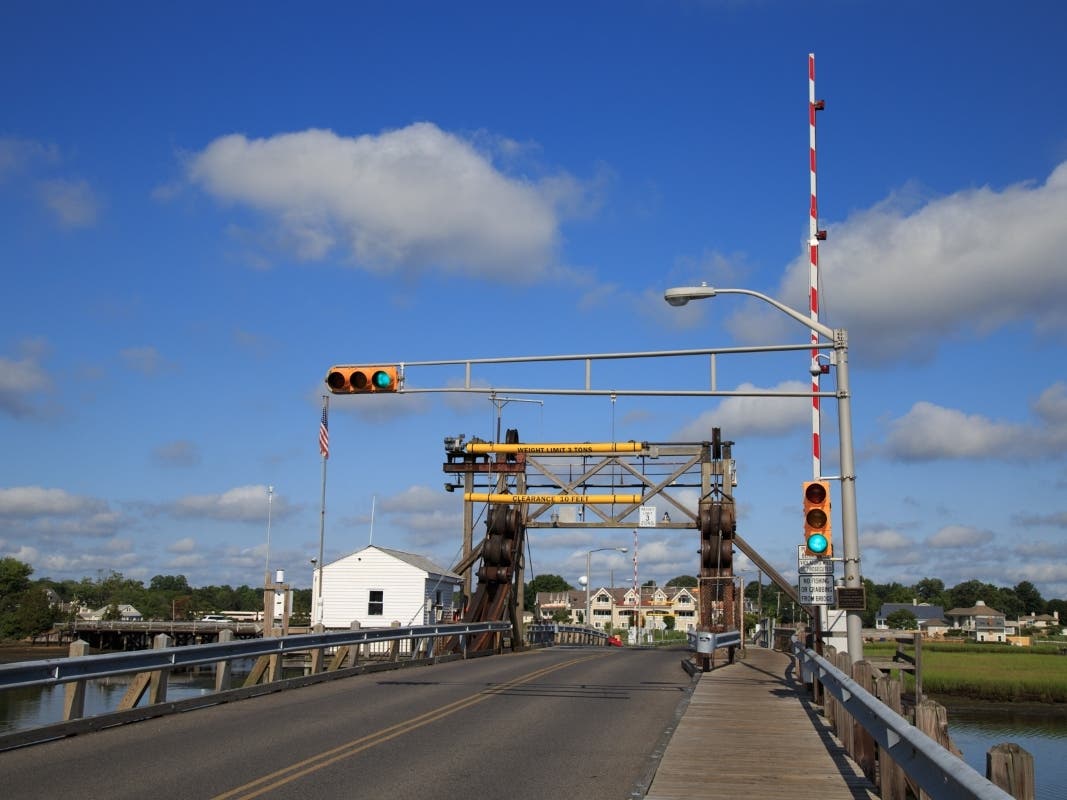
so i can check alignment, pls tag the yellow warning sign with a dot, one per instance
(557, 448)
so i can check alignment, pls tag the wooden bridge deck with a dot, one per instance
(750, 733)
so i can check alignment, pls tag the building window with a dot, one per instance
(376, 606)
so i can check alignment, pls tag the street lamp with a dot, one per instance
(838, 337)
(588, 559)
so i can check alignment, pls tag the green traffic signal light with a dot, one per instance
(382, 379)
(817, 543)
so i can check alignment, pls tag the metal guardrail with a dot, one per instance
(938, 772)
(63, 670)
(706, 642)
(557, 634)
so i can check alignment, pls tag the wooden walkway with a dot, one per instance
(749, 732)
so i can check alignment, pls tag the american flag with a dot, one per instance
(324, 435)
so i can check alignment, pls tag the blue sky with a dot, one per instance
(204, 207)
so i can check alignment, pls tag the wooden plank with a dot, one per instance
(750, 732)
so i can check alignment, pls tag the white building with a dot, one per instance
(376, 586)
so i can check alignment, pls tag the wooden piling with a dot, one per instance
(1012, 769)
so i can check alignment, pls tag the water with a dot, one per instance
(34, 706)
(1039, 729)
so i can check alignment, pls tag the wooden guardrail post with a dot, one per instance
(74, 691)
(864, 745)
(318, 655)
(843, 726)
(932, 719)
(891, 780)
(224, 669)
(155, 681)
(1012, 769)
(394, 646)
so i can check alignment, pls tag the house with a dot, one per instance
(1038, 621)
(377, 586)
(930, 619)
(126, 613)
(980, 622)
(616, 608)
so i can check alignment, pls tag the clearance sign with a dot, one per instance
(541, 499)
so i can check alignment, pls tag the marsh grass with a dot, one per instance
(987, 672)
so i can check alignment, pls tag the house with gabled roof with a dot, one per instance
(930, 619)
(125, 612)
(377, 586)
(979, 622)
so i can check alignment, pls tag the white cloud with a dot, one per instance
(1051, 405)
(241, 504)
(929, 431)
(415, 197)
(885, 539)
(959, 536)
(20, 154)
(73, 202)
(753, 416)
(908, 272)
(35, 501)
(21, 381)
(1057, 519)
(186, 545)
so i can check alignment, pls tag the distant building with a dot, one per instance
(127, 613)
(980, 622)
(616, 608)
(1038, 621)
(929, 619)
(376, 586)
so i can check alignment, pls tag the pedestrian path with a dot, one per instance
(750, 733)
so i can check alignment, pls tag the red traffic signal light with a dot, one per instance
(818, 538)
(363, 380)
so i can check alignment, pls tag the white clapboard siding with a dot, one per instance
(409, 584)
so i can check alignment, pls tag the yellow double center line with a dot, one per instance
(307, 766)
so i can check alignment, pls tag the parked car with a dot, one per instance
(615, 641)
(215, 618)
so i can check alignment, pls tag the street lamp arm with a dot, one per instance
(681, 295)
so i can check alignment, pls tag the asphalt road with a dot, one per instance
(560, 723)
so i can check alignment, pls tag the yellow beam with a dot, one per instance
(540, 499)
(560, 448)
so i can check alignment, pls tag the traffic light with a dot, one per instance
(818, 539)
(363, 380)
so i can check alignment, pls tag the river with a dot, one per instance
(1040, 729)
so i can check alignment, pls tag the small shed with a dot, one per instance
(377, 586)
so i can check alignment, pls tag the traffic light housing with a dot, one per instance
(818, 538)
(347, 379)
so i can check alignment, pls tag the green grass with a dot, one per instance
(987, 672)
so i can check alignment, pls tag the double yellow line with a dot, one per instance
(291, 773)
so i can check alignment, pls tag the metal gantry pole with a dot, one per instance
(849, 517)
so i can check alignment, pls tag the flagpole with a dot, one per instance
(324, 449)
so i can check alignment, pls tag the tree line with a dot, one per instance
(29, 607)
